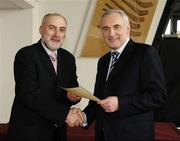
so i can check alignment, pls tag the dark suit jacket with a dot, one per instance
(169, 53)
(137, 80)
(40, 106)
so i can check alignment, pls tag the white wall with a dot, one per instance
(86, 69)
(16, 31)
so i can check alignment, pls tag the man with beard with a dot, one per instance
(41, 108)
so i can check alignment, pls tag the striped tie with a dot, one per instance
(114, 59)
(114, 56)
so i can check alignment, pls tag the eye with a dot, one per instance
(105, 28)
(116, 27)
(62, 29)
(51, 27)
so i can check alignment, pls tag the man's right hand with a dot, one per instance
(75, 117)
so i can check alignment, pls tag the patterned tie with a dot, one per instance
(114, 56)
(53, 57)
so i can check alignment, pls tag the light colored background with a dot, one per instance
(19, 23)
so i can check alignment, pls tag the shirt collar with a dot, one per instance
(120, 50)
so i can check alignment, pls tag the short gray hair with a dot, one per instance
(52, 14)
(120, 12)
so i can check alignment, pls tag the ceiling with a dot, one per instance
(17, 4)
(5, 4)
(14, 4)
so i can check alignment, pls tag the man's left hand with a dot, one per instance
(72, 97)
(110, 104)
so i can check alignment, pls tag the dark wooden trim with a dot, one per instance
(163, 23)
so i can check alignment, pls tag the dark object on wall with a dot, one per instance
(170, 55)
(168, 12)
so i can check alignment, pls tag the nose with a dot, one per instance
(111, 32)
(57, 32)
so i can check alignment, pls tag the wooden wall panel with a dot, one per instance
(140, 14)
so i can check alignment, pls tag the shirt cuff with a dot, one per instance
(85, 120)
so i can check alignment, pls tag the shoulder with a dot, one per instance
(105, 57)
(141, 46)
(27, 51)
(104, 60)
(146, 52)
(65, 54)
(144, 48)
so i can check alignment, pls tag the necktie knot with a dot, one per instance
(114, 56)
(114, 59)
(53, 57)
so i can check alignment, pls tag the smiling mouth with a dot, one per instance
(112, 40)
(55, 40)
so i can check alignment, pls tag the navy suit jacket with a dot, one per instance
(40, 106)
(137, 80)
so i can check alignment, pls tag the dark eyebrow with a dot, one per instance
(117, 25)
(63, 27)
(105, 27)
(51, 25)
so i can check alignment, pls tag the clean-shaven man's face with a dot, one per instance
(115, 32)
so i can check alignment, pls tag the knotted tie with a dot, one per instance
(53, 57)
(114, 59)
(114, 56)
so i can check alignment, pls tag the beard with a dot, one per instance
(52, 45)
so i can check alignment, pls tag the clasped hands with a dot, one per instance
(76, 117)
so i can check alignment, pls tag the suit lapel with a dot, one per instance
(105, 66)
(46, 60)
(62, 66)
(59, 63)
(122, 60)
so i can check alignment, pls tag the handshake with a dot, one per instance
(75, 117)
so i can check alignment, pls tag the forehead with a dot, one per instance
(111, 19)
(56, 21)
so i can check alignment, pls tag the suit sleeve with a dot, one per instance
(152, 85)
